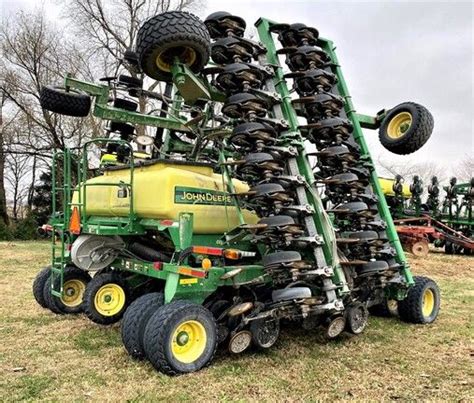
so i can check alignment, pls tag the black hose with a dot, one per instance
(146, 252)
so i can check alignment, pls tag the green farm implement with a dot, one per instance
(237, 196)
(449, 224)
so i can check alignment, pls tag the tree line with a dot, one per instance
(35, 51)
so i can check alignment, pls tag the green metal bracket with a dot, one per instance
(263, 26)
(185, 238)
(189, 86)
(329, 48)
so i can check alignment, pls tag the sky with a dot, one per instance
(390, 52)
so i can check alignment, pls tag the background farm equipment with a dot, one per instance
(218, 226)
(448, 224)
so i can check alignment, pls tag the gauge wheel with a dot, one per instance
(67, 102)
(180, 337)
(406, 128)
(106, 298)
(175, 36)
(422, 302)
(265, 332)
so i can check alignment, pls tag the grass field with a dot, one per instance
(44, 356)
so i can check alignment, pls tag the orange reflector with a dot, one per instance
(75, 222)
(232, 254)
(186, 271)
(206, 263)
(204, 250)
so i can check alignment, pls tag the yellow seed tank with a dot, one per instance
(163, 189)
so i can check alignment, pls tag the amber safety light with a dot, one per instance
(232, 254)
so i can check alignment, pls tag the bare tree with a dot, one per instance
(408, 169)
(3, 198)
(465, 170)
(35, 55)
(16, 176)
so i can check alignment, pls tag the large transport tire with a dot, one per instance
(75, 281)
(106, 298)
(134, 322)
(422, 302)
(171, 35)
(69, 103)
(180, 337)
(38, 286)
(406, 128)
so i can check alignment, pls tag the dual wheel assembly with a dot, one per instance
(182, 336)
(103, 298)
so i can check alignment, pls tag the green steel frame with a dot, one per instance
(263, 26)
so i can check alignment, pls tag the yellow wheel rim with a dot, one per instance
(189, 341)
(399, 125)
(109, 299)
(184, 54)
(428, 303)
(73, 293)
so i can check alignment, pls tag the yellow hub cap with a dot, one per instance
(399, 125)
(73, 293)
(189, 341)
(428, 303)
(183, 54)
(109, 299)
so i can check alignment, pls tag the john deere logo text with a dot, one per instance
(184, 195)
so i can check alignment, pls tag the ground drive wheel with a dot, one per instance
(180, 337)
(171, 36)
(406, 128)
(65, 102)
(74, 284)
(106, 298)
(38, 286)
(422, 302)
(75, 281)
(134, 321)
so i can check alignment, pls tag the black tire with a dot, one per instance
(48, 298)
(111, 308)
(406, 138)
(69, 103)
(449, 248)
(122, 128)
(125, 104)
(412, 308)
(265, 333)
(75, 281)
(161, 328)
(169, 35)
(130, 57)
(38, 286)
(130, 82)
(134, 322)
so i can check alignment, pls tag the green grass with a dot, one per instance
(45, 356)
